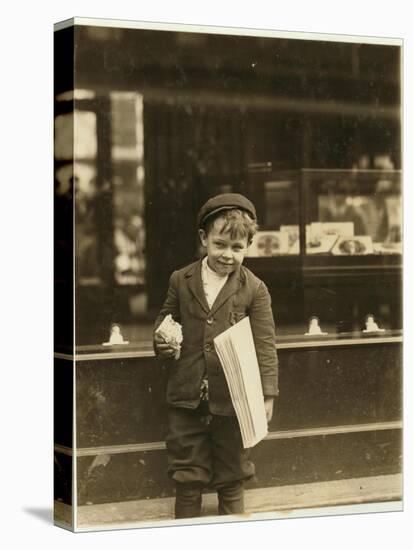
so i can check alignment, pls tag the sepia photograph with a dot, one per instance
(228, 242)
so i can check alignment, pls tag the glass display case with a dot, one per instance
(342, 259)
(327, 212)
(352, 212)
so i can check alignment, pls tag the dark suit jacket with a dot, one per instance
(243, 294)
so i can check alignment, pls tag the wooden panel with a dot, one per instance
(120, 402)
(137, 476)
(123, 401)
(334, 386)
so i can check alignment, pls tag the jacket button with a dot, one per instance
(210, 320)
(207, 347)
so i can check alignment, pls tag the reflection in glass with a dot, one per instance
(86, 230)
(277, 201)
(128, 187)
(361, 209)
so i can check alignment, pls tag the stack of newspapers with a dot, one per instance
(236, 351)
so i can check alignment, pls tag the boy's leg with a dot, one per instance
(231, 498)
(189, 458)
(188, 500)
(231, 466)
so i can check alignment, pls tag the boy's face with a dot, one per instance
(224, 253)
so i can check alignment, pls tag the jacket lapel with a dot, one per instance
(195, 285)
(194, 279)
(228, 290)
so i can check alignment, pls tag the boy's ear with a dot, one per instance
(203, 237)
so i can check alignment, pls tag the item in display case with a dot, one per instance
(293, 232)
(393, 209)
(392, 244)
(371, 325)
(387, 248)
(268, 243)
(353, 246)
(116, 337)
(341, 229)
(383, 162)
(318, 241)
(321, 244)
(314, 328)
(343, 207)
(320, 237)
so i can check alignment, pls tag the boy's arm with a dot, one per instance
(171, 305)
(263, 331)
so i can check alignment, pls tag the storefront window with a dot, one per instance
(128, 174)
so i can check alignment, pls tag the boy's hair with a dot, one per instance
(237, 223)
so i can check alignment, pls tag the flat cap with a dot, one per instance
(226, 201)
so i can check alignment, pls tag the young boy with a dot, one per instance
(204, 443)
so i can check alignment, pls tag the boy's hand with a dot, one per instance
(269, 407)
(163, 348)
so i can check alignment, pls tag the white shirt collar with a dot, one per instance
(210, 272)
(212, 282)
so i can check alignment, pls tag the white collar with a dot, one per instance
(210, 273)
